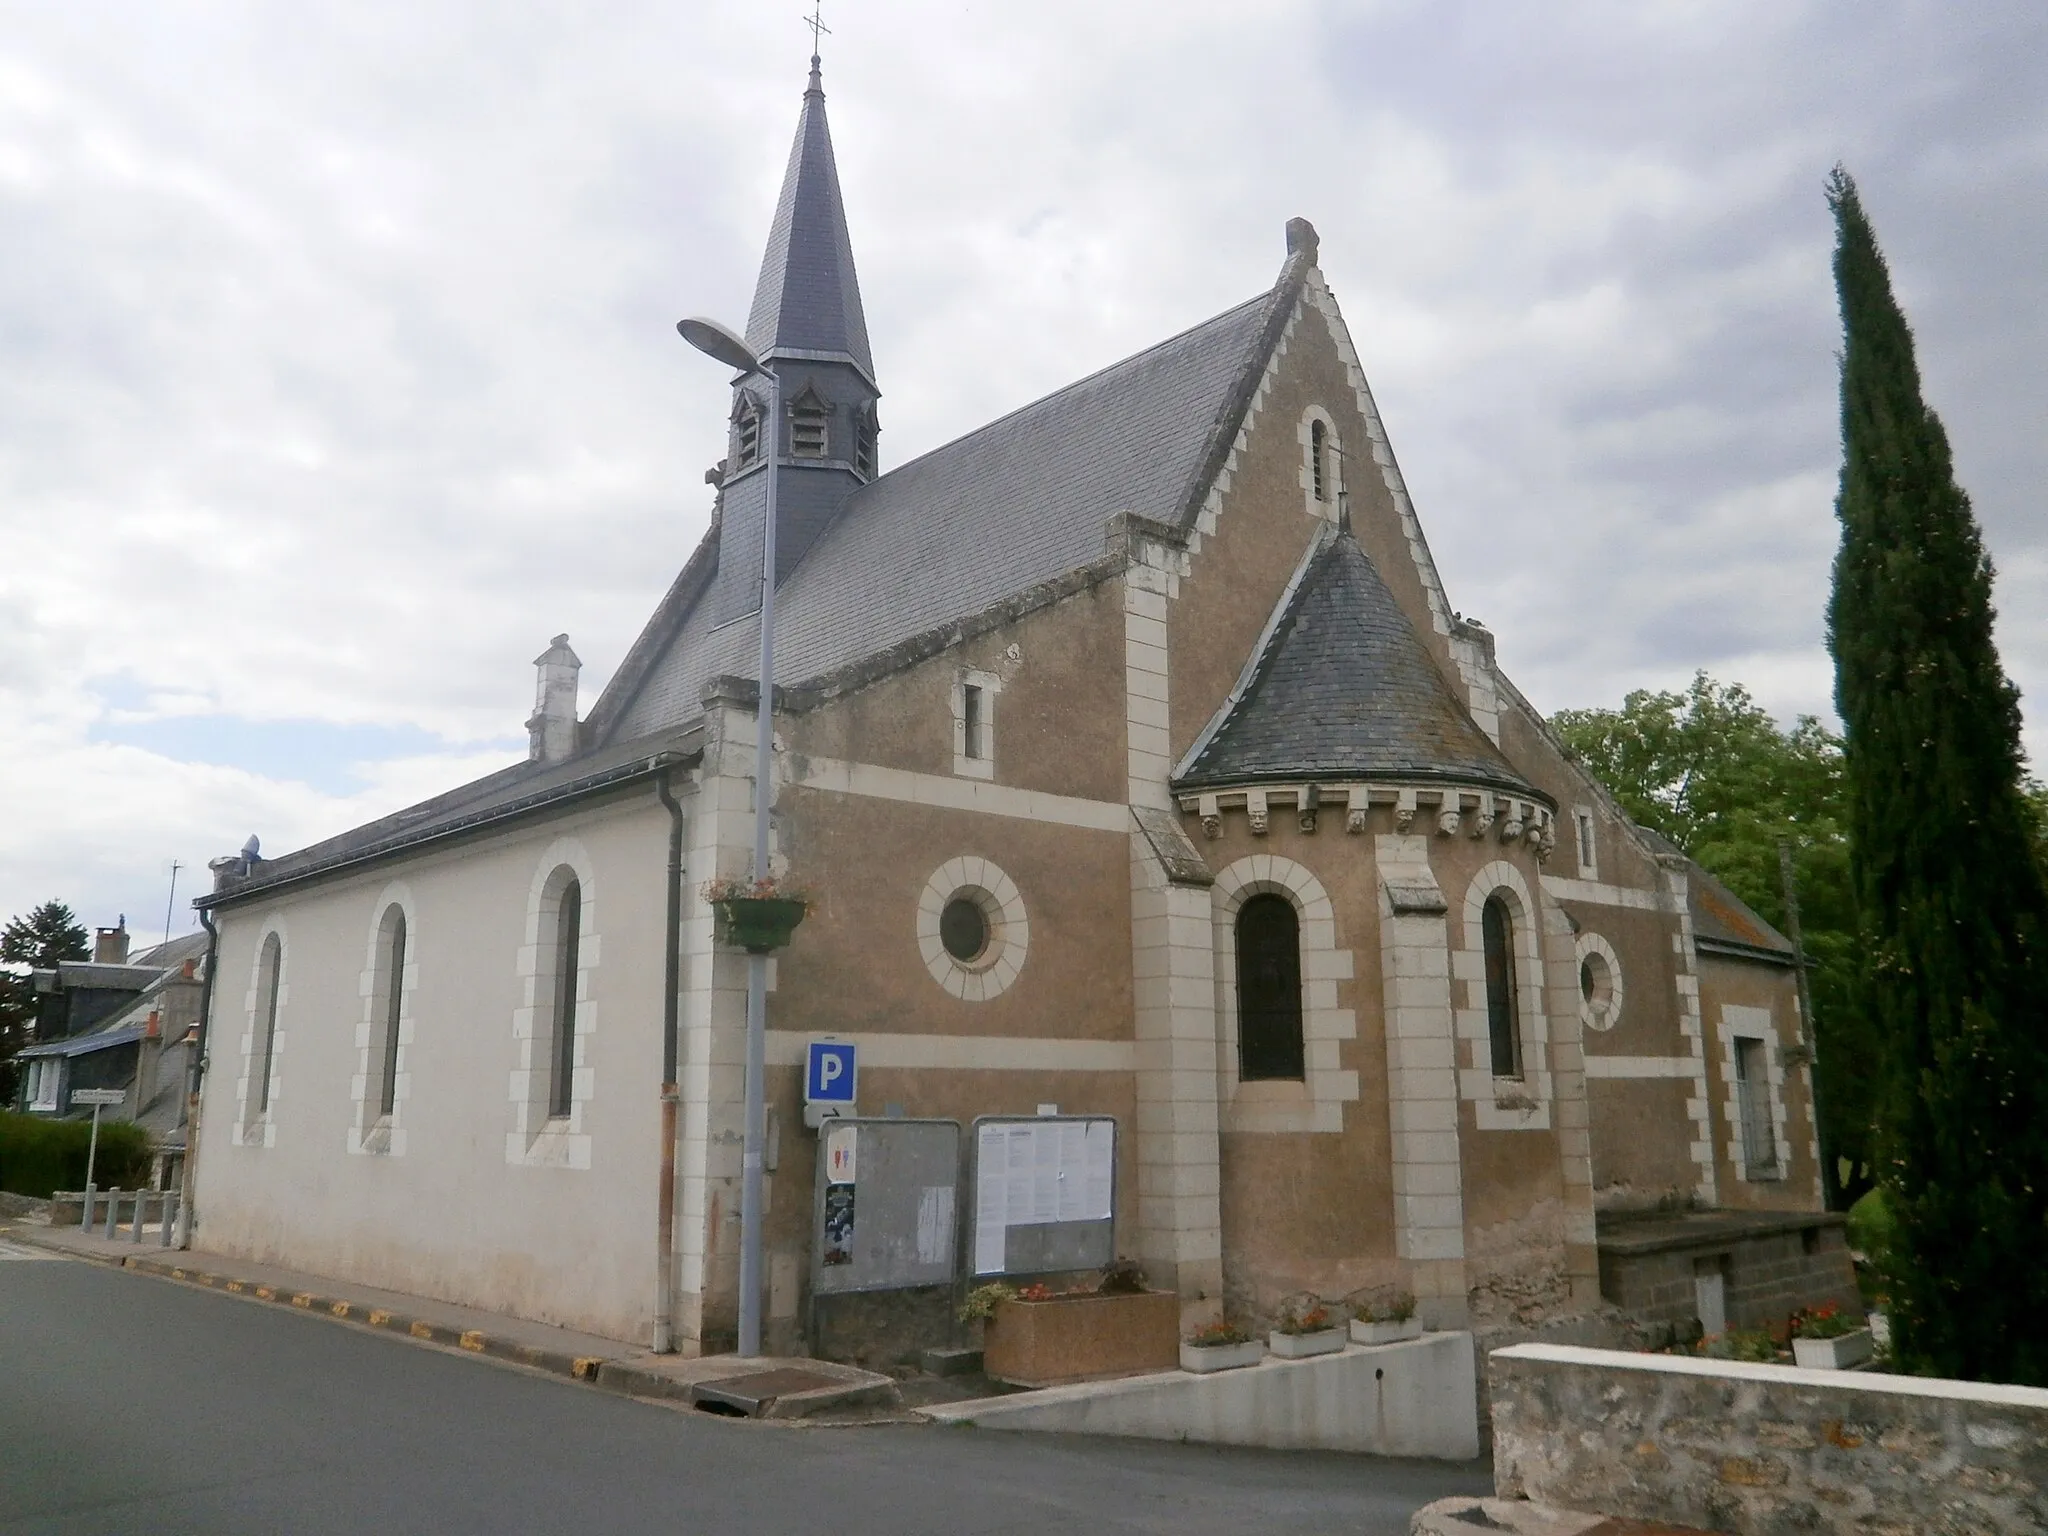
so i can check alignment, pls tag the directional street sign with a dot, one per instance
(99, 1096)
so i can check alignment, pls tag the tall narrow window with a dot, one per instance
(1497, 930)
(1269, 1042)
(970, 721)
(393, 1005)
(562, 1060)
(269, 974)
(1753, 1108)
(1588, 864)
(1318, 455)
(808, 419)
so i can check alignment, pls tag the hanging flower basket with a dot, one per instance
(755, 915)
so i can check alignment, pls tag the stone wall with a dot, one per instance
(1769, 1265)
(1757, 1449)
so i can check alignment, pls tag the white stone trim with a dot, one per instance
(370, 1131)
(1316, 1104)
(990, 684)
(1586, 843)
(1639, 1067)
(1593, 1017)
(1147, 737)
(1009, 930)
(1503, 1103)
(1738, 1022)
(1171, 565)
(1333, 468)
(1686, 984)
(1594, 894)
(257, 1127)
(945, 792)
(535, 1139)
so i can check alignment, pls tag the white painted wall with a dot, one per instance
(449, 1212)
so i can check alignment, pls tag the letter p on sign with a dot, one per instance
(831, 1069)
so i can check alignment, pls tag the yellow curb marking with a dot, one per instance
(177, 1274)
(585, 1367)
(302, 1300)
(379, 1317)
(473, 1339)
(268, 1293)
(339, 1309)
(234, 1285)
(422, 1330)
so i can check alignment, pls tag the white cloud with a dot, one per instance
(336, 369)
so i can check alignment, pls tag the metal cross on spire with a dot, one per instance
(816, 22)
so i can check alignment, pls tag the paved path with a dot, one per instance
(132, 1404)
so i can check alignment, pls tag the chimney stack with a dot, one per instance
(552, 730)
(110, 945)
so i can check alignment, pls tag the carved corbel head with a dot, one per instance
(1355, 822)
(1447, 821)
(1258, 821)
(1212, 827)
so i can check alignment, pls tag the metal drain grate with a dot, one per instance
(752, 1395)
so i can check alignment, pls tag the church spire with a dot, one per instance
(807, 301)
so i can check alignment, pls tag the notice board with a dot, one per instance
(1044, 1194)
(883, 1211)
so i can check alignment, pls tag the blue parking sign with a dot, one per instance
(830, 1069)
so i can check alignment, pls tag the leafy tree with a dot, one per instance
(48, 934)
(1711, 770)
(1941, 832)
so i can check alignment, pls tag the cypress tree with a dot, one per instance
(1952, 904)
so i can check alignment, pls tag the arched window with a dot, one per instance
(391, 965)
(562, 1046)
(1318, 459)
(269, 974)
(1269, 1041)
(1503, 1010)
(809, 422)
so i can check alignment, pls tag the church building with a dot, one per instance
(1133, 759)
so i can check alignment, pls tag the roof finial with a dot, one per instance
(816, 22)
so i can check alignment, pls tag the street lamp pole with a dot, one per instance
(716, 341)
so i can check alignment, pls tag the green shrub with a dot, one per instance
(39, 1157)
(1870, 1226)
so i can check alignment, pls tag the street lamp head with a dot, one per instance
(716, 341)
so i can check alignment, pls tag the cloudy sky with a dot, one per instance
(337, 368)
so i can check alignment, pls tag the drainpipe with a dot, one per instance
(671, 985)
(194, 1076)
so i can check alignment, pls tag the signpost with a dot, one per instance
(97, 1098)
(831, 1077)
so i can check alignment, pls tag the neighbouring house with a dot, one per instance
(119, 1022)
(1137, 762)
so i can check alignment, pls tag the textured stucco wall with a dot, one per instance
(1754, 1450)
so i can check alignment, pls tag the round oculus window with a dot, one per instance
(963, 929)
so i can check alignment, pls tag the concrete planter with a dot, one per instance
(1833, 1354)
(1081, 1338)
(1204, 1358)
(1385, 1333)
(1299, 1346)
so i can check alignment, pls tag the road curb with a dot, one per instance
(587, 1369)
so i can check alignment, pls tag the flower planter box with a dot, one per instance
(758, 924)
(1081, 1338)
(1385, 1333)
(1835, 1354)
(1203, 1358)
(1299, 1346)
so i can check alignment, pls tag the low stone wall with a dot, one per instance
(1769, 1264)
(25, 1205)
(1755, 1450)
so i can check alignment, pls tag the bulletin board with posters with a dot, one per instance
(1044, 1194)
(883, 1217)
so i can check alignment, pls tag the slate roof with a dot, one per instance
(1343, 688)
(807, 297)
(1024, 500)
(509, 792)
(1721, 920)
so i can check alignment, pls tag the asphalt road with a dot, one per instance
(129, 1403)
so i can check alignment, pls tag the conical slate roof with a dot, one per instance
(808, 299)
(1343, 688)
